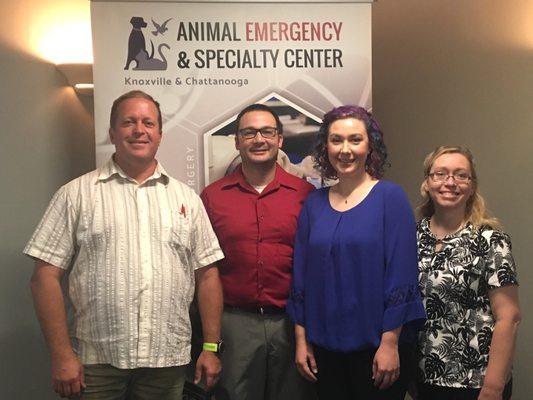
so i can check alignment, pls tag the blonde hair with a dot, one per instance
(476, 210)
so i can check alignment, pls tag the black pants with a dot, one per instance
(344, 376)
(432, 392)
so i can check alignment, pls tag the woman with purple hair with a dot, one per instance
(355, 299)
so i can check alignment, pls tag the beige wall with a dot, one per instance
(47, 139)
(461, 72)
(445, 71)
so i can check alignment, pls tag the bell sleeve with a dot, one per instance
(296, 301)
(402, 300)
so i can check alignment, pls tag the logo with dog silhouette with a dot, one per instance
(137, 52)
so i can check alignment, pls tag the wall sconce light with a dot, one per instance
(79, 76)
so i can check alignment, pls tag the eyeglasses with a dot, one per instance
(267, 132)
(441, 176)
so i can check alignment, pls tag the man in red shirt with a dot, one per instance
(254, 213)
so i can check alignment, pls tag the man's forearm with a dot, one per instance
(50, 309)
(210, 302)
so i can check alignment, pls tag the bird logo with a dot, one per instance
(160, 29)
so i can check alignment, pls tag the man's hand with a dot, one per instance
(305, 360)
(67, 376)
(209, 295)
(67, 370)
(386, 365)
(208, 366)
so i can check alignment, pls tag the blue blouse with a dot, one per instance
(355, 273)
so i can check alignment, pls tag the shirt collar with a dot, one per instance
(111, 168)
(281, 178)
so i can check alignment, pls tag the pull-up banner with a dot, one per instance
(205, 61)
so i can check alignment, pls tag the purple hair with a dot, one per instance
(376, 161)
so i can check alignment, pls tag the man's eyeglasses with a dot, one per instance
(267, 132)
(441, 176)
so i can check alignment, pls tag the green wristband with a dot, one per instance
(211, 347)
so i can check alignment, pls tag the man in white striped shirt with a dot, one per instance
(134, 243)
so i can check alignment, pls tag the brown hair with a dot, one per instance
(376, 161)
(133, 94)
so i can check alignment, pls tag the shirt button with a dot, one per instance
(260, 263)
(259, 239)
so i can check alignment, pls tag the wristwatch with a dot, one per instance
(217, 347)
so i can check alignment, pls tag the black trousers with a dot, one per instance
(432, 392)
(348, 376)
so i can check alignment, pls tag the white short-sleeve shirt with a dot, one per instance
(131, 251)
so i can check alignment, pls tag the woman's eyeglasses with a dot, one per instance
(441, 176)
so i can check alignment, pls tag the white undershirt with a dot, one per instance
(259, 188)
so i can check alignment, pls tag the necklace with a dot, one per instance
(347, 197)
(358, 191)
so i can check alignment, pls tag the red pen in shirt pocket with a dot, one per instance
(183, 212)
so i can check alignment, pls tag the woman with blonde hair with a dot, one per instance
(469, 286)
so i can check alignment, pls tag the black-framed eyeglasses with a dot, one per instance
(441, 176)
(268, 132)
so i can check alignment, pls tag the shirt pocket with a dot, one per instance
(284, 228)
(176, 229)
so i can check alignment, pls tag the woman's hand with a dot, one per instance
(487, 393)
(305, 358)
(386, 364)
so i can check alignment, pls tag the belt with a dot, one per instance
(265, 310)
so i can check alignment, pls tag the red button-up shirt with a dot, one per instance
(256, 232)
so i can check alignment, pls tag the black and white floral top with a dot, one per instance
(455, 281)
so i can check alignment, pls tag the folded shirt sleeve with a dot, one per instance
(205, 246)
(500, 268)
(54, 239)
